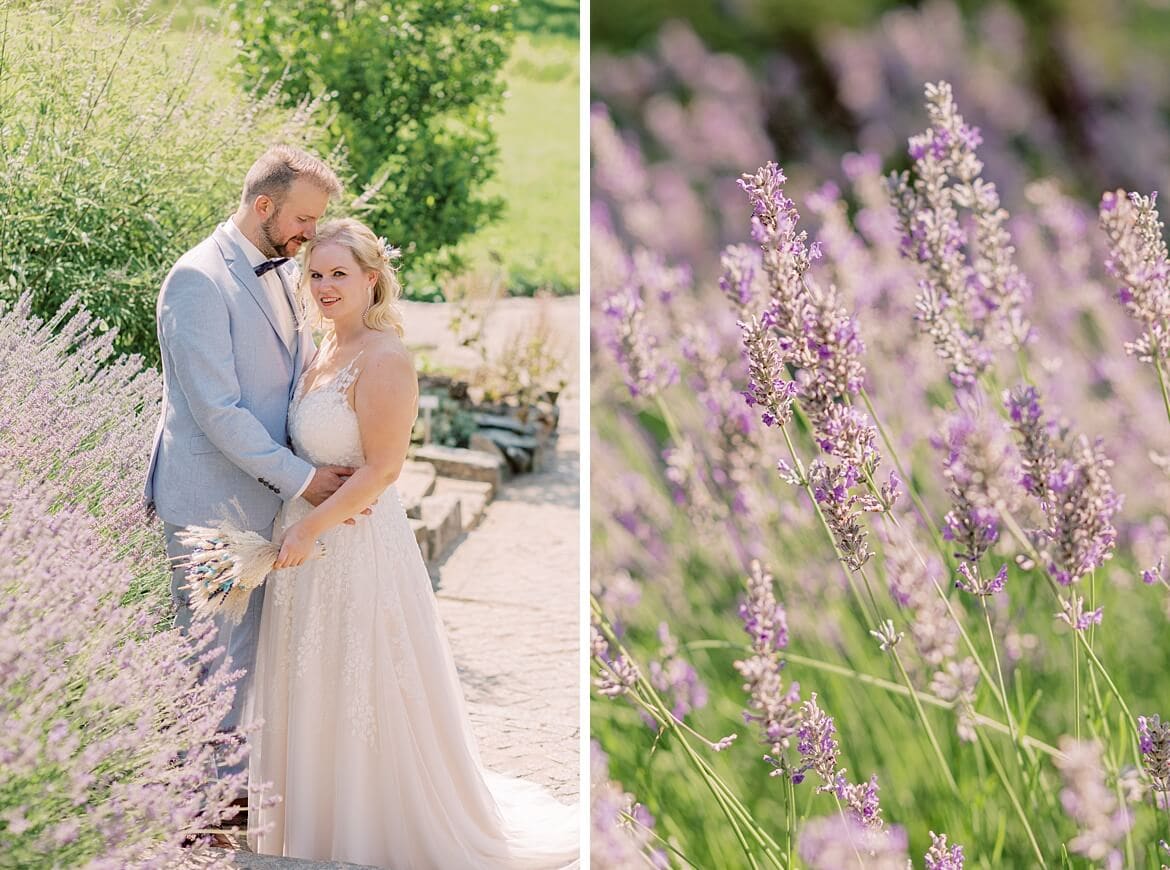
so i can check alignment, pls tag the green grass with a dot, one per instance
(539, 175)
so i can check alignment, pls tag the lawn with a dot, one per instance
(537, 237)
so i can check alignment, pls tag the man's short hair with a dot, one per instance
(278, 167)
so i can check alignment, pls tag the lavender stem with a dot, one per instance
(728, 802)
(1012, 796)
(1002, 683)
(1022, 538)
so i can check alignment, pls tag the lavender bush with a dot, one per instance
(891, 477)
(107, 735)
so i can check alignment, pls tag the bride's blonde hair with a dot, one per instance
(372, 255)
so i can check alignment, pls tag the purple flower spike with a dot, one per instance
(972, 293)
(834, 842)
(1138, 260)
(1154, 742)
(1090, 802)
(769, 704)
(939, 857)
(1069, 476)
(1074, 614)
(675, 678)
(972, 581)
(816, 744)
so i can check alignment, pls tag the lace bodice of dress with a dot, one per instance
(324, 428)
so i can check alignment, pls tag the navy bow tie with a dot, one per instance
(269, 265)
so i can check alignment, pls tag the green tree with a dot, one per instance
(120, 148)
(414, 84)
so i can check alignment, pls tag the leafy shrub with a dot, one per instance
(119, 149)
(414, 84)
(451, 424)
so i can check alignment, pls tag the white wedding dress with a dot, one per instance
(365, 733)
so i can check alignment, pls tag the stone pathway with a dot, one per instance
(509, 594)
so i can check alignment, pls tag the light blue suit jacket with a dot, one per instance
(221, 449)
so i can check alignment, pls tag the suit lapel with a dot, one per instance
(239, 266)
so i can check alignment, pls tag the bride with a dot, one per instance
(364, 733)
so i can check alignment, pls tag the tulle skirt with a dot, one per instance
(365, 733)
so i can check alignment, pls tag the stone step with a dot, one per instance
(416, 481)
(443, 517)
(422, 537)
(464, 464)
(523, 452)
(474, 497)
(501, 421)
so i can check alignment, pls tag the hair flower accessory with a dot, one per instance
(389, 253)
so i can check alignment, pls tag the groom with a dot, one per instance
(231, 356)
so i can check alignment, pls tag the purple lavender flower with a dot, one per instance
(1070, 478)
(818, 748)
(979, 468)
(861, 799)
(617, 676)
(914, 585)
(74, 414)
(742, 278)
(769, 704)
(939, 857)
(970, 302)
(1154, 742)
(1091, 803)
(815, 336)
(635, 348)
(622, 829)
(832, 488)
(816, 744)
(1074, 614)
(971, 580)
(764, 618)
(1037, 459)
(101, 764)
(675, 678)
(835, 842)
(957, 682)
(1138, 259)
(767, 386)
(804, 333)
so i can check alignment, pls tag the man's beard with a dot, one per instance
(269, 246)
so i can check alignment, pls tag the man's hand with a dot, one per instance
(326, 480)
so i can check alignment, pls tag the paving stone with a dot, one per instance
(241, 857)
(509, 596)
(463, 464)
